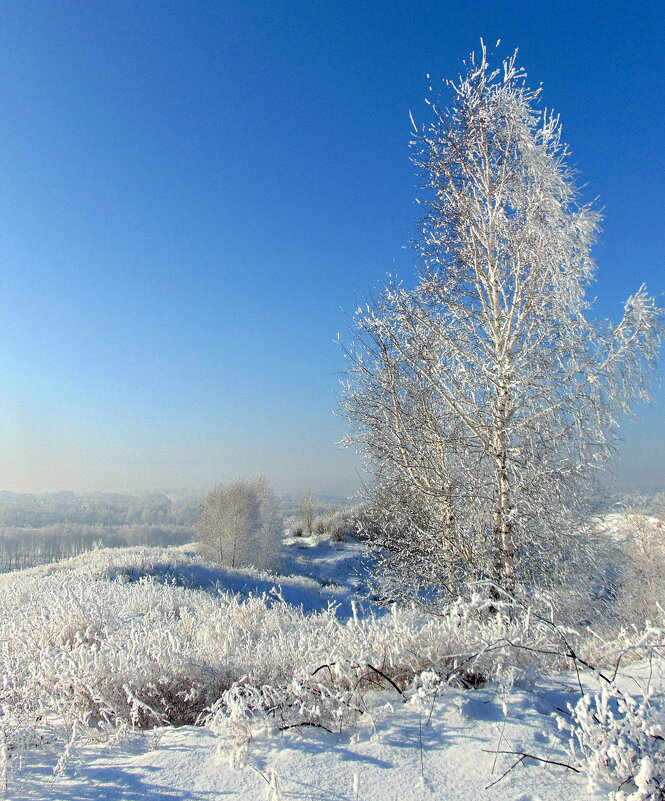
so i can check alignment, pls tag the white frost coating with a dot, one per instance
(618, 739)
(240, 524)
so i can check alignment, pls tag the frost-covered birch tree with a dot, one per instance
(486, 399)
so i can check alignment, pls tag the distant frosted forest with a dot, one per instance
(38, 529)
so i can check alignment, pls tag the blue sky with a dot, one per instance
(196, 194)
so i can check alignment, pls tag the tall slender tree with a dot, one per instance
(485, 399)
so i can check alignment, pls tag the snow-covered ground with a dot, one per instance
(149, 617)
(315, 572)
(396, 753)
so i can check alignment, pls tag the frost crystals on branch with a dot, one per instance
(485, 400)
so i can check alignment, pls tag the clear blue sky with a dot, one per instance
(194, 194)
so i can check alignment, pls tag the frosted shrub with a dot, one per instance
(339, 525)
(405, 652)
(642, 589)
(618, 740)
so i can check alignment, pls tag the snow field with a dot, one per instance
(314, 705)
(395, 752)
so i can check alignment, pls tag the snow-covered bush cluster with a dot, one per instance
(337, 523)
(641, 590)
(336, 663)
(619, 741)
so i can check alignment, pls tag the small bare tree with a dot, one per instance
(641, 593)
(240, 524)
(484, 399)
(659, 507)
(308, 511)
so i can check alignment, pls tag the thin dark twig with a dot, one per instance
(431, 709)
(586, 664)
(387, 678)
(625, 781)
(616, 667)
(321, 667)
(306, 723)
(537, 758)
(505, 773)
(577, 672)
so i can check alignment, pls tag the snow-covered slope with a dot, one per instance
(316, 573)
(303, 692)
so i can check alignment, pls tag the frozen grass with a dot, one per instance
(183, 566)
(104, 641)
(148, 637)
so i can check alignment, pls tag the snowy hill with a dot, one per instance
(317, 572)
(150, 674)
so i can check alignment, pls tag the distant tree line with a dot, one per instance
(39, 529)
